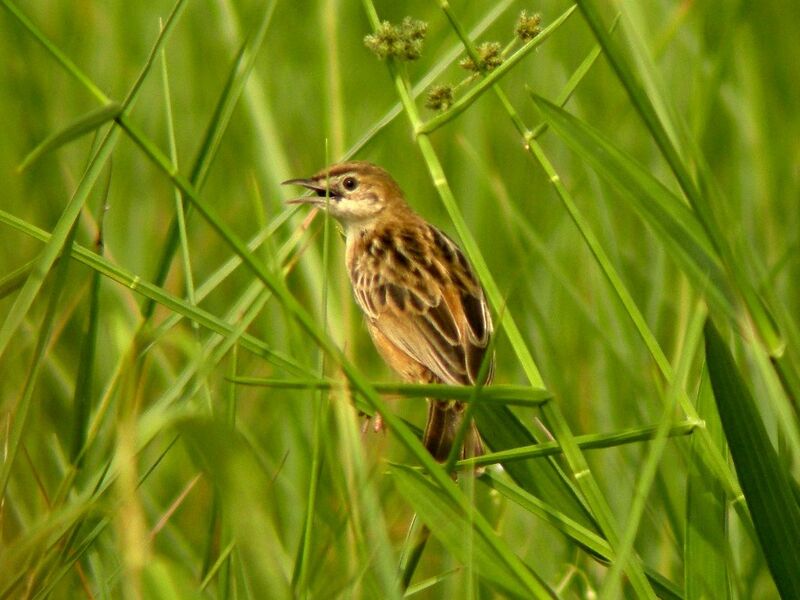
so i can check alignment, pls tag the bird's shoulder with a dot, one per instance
(411, 248)
(412, 266)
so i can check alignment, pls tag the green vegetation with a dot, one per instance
(182, 367)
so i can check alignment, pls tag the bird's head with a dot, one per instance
(354, 193)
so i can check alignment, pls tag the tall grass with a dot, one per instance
(183, 369)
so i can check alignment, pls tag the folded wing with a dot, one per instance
(417, 288)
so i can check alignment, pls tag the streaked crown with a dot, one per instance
(354, 192)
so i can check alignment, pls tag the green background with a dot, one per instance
(187, 485)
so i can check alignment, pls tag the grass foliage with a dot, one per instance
(182, 369)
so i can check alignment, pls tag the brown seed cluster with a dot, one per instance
(399, 40)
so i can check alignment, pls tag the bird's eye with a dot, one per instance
(350, 183)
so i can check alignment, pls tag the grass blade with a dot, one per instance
(702, 194)
(161, 296)
(238, 75)
(81, 126)
(766, 483)
(500, 394)
(612, 585)
(451, 524)
(585, 442)
(502, 430)
(14, 440)
(665, 212)
(82, 400)
(582, 537)
(704, 560)
(47, 257)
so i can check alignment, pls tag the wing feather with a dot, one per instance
(422, 295)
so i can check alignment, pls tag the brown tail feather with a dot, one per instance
(444, 419)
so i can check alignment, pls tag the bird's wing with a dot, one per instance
(419, 291)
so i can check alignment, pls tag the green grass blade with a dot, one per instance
(15, 279)
(655, 111)
(530, 241)
(575, 532)
(84, 388)
(180, 215)
(243, 485)
(705, 561)
(574, 81)
(147, 289)
(87, 123)
(238, 75)
(167, 408)
(55, 244)
(300, 575)
(718, 465)
(666, 213)
(553, 514)
(612, 585)
(62, 58)
(41, 539)
(496, 394)
(224, 271)
(588, 441)
(454, 529)
(766, 483)
(21, 410)
(601, 511)
(44, 263)
(502, 430)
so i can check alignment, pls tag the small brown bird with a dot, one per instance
(424, 307)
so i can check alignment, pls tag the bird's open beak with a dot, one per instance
(317, 199)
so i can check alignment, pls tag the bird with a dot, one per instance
(424, 307)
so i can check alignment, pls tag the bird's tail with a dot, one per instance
(444, 420)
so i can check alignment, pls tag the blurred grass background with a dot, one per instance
(193, 487)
